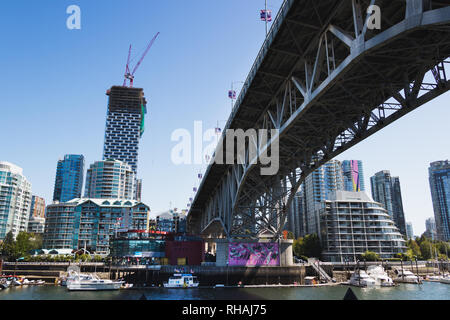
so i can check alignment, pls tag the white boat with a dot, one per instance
(380, 276)
(361, 279)
(182, 281)
(4, 284)
(445, 279)
(434, 278)
(90, 282)
(405, 276)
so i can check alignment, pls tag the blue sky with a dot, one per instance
(54, 83)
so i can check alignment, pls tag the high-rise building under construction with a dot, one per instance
(124, 124)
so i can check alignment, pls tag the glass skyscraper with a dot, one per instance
(386, 190)
(69, 178)
(317, 187)
(409, 230)
(15, 200)
(124, 124)
(430, 229)
(439, 178)
(353, 173)
(296, 218)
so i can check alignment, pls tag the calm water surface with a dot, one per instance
(426, 291)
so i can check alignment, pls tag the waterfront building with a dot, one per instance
(439, 178)
(352, 223)
(36, 224)
(157, 247)
(430, 229)
(353, 174)
(171, 221)
(110, 179)
(386, 190)
(69, 178)
(124, 124)
(317, 187)
(15, 199)
(37, 207)
(409, 231)
(91, 223)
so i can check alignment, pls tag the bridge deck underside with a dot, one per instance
(346, 90)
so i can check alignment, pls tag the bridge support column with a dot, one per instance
(221, 252)
(286, 258)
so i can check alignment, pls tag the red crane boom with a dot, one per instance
(130, 75)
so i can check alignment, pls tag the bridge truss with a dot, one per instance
(324, 81)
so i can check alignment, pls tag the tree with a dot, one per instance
(309, 246)
(9, 247)
(297, 247)
(443, 247)
(425, 249)
(414, 247)
(36, 241)
(370, 256)
(23, 243)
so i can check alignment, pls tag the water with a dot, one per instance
(426, 291)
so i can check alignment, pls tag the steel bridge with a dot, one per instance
(324, 80)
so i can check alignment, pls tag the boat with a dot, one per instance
(380, 276)
(90, 282)
(445, 279)
(13, 281)
(361, 279)
(405, 276)
(4, 284)
(182, 281)
(434, 278)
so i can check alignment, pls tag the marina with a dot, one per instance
(425, 291)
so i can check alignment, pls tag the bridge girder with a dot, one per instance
(325, 90)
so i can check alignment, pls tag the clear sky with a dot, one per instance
(54, 81)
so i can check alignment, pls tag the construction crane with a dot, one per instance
(130, 75)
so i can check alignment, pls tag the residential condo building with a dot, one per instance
(110, 179)
(352, 223)
(124, 124)
(409, 231)
(353, 173)
(15, 200)
(36, 225)
(69, 178)
(317, 187)
(439, 178)
(430, 229)
(386, 190)
(91, 223)
(37, 207)
(296, 219)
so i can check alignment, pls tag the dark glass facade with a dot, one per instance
(69, 178)
(153, 248)
(439, 177)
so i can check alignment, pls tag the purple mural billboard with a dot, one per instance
(253, 254)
